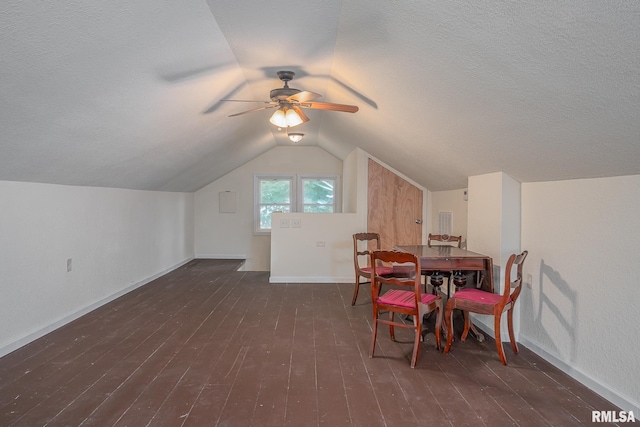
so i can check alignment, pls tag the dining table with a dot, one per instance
(452, 258)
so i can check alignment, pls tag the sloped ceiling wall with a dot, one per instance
(127, 94)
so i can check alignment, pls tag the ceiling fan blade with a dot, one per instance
(266, 107)
(329, 106)
(213, 107)
(301, 113)
(304, 96)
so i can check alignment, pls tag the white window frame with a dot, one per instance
(336, 192)
(296, 196)
(257, 179)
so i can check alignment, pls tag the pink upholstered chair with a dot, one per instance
(478, 301)
(363, 245)
(405, 299)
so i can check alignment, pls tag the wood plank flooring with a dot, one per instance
(206, 345)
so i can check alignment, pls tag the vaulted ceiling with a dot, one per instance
(127, 93)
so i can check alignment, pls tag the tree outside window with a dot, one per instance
(318, 195)
(275, 196)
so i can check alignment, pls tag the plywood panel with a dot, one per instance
(394, 206)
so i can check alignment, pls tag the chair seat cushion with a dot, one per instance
(382, 271)
(477, 295)
(401, 298)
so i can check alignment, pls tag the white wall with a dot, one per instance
(582, 312)
(450, 201)
(350, 167)
(484, 221)
(494, 229)
(117, 240)
(230, 235)
(494, 218)
(320, 251)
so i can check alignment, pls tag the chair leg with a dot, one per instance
(439, 315)
(496, 326)
(448, 320)
(355, 291)
(512, 337)
(392, 332)
(467, 325)
(416, 344)
(375, 333)
(415, 324)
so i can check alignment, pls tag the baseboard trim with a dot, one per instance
(625, 403)
(320, 279)
(221, 256)
(71, 317)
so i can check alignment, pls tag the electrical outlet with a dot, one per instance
(529, 282)
(69, 265)
(284, 223)
(296, 223)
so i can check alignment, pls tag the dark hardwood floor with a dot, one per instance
(206, 345)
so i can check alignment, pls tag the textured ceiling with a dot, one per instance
(127, 94)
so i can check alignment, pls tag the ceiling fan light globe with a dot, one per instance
(278, 118)
(296, 137)
(292, 118)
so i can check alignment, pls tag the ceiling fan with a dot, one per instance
(290, 102)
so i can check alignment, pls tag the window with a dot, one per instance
(273, 194)
(289, 193)
(318, 194)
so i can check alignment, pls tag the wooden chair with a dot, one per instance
(445, 239)
(363, 245)
(410, 301)
(483, 302)
(436, 277)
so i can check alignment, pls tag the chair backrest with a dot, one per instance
(363, 244)
(444, 238)
(513, 287)
(401, 279)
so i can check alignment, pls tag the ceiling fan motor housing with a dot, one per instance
(281, 94)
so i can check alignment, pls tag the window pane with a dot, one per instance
(319, 191)
(276, 191)
(267, 210)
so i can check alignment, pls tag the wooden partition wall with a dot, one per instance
(395, 208)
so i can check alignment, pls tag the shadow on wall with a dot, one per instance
(554, 296)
